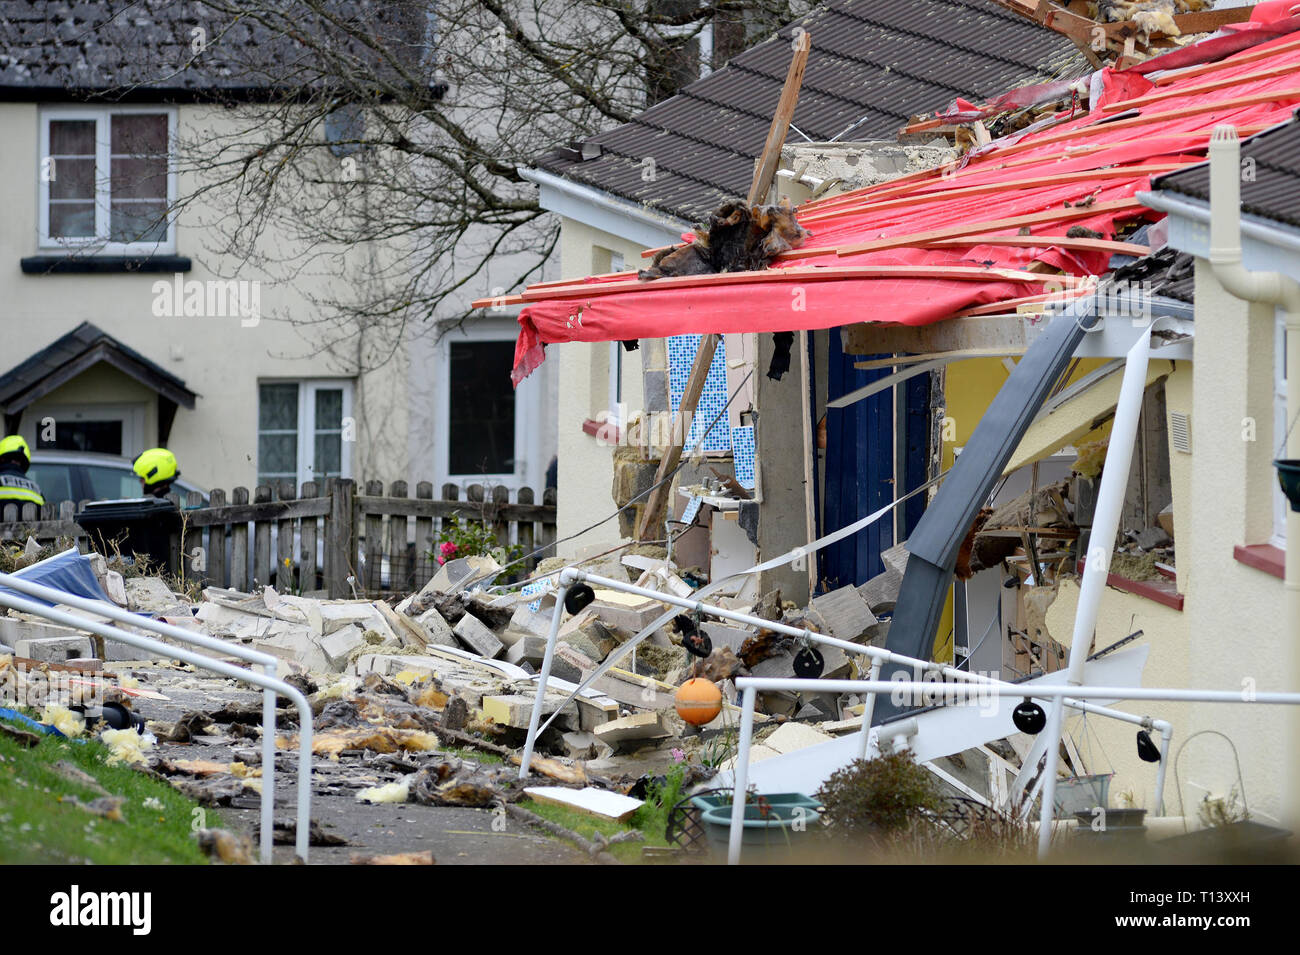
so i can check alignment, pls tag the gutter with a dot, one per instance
(605, 211)
(1198, 211)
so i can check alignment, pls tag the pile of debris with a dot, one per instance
(428, 700)
(455, 659)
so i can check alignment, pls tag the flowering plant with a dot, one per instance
(470, 538)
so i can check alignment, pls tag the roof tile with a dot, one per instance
(874, 64)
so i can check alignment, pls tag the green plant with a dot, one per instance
(871, 797)
(471, 538)
(652, 817)
(718, 749)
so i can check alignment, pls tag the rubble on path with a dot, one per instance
(426, 701)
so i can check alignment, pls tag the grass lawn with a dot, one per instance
(586, 825)
(41, 823)
(473, 755)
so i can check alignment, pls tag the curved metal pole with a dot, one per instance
(534, 719)
(268, 663)
(1101, 543)
(201, 661)
(740, 787)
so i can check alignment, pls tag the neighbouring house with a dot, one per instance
(1237, 627)
(872, 66)
(964, 266)
(128, 326)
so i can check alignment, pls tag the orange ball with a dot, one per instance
(698, 701)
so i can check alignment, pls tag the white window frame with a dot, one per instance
(131, 415)
(613, 414)
(307, 389)
(99, 243)
(1280, 423)
(530, 470)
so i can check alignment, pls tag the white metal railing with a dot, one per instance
(750, 686)
(266, 681)
(878, 656)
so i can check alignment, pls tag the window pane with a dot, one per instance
(277, 454)
(139, 178)
(139, 134)
(110, 484)
(482, 431)
(277, 407)
(72, 220)
(72, 137)
(138, 222)
(329, 409)
(329, 456)
(343, 127)
(101, 437)
(72, 179)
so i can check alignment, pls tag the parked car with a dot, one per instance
(84, 476)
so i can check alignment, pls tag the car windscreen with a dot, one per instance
(111, 483)
(54, 480)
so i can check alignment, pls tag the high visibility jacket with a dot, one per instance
(17, 489)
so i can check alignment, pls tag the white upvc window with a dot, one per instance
(488, 432)
(1280, 426)
(305, 431)
(615, 404)
(106, 180)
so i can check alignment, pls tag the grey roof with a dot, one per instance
(1167, 273)
(71, 49)
(83, 347)
(1273, 193)
(873, 65)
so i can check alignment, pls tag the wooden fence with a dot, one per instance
(318, 538)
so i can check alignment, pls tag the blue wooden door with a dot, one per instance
(860, 466)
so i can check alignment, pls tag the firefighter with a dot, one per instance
(15, 486)
(156, 469)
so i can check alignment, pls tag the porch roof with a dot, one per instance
(70, 355)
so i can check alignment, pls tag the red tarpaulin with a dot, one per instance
(1083, 171)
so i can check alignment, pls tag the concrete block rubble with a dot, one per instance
(427, 699)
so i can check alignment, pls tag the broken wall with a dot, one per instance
(586, 469)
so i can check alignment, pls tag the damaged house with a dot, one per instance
(974, 228)
(987, 390)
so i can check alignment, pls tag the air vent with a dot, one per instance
(1180, 431)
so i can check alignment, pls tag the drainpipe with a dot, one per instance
(1270, 288)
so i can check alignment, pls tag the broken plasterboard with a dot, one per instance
(1077, 416)
(595, 802)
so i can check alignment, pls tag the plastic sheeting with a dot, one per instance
(1028, 174)
(69, 571)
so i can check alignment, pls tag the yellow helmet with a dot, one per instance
(15, 444)
(155, 465)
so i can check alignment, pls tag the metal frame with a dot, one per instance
(266, 680)
(1062, 693)
(878, 656)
